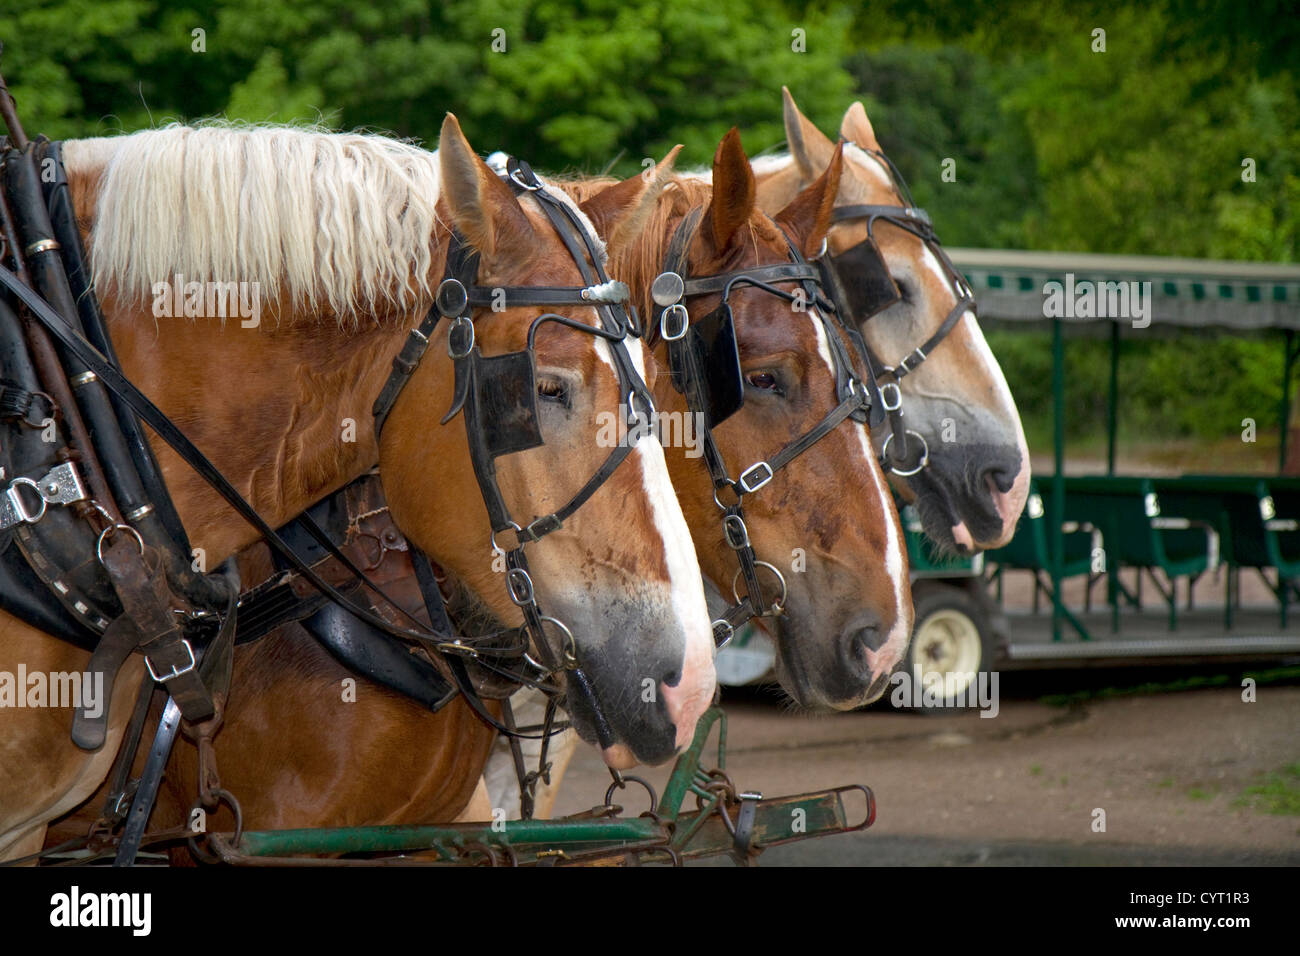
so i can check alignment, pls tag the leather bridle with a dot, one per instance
(838, 278)
(490, 391)
(858, 396)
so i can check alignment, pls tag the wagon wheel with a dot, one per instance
(951, 643)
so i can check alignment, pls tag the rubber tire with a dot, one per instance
(932, 600)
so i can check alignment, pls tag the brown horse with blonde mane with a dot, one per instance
(342, 235)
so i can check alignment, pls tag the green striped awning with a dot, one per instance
(1014, 285)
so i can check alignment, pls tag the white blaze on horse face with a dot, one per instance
(687, 701)
(891, 651)
(1009, 503)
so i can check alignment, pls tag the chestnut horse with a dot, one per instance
(341, 236)
(970, 494)
(826, 519)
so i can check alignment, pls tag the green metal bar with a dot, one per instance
(391, 839)
(1288, 366)
(670, 805)
(1112, 400)
(1057, 516)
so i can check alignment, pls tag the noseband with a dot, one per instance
(695, 358)
(498, 397)
(861, 287)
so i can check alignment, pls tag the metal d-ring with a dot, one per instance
(921, 462)
(777, 606)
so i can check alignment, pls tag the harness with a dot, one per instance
(705, 366)
(861, 286)
(498, 397)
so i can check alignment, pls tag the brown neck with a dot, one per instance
(283, 413)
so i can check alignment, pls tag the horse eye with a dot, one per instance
(764, 380)
(553, 390)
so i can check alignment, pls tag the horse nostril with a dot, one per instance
(868, 638)
(672, 678)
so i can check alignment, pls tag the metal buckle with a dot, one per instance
(547, 524)
(175, 672)
(730, 632)
(749, 487)
(909, 368)
(898, 397)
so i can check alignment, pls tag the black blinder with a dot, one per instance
(716, 376)
(504, 400)
(861, 280)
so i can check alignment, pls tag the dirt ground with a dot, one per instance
(1168, 769)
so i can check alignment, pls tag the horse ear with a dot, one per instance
(483, 208)
(810, 147)
(856, 128)
(621, 211)
(733, 191)
(808, 216)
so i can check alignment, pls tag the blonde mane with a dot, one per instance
(329, 223)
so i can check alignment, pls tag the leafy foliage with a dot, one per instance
(1057, 145)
